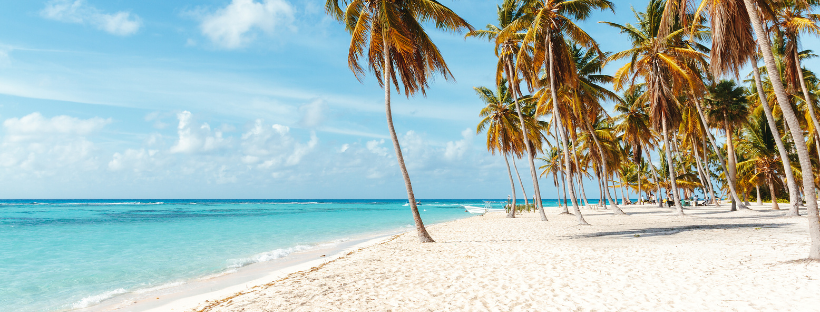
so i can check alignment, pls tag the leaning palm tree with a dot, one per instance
(390, 36)
(548, 28)
(634, 124)
(727, 109)
(501, 125)
(512, 63)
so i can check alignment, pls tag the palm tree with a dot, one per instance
(794, 127)
(792, 19)
(588, 96)
(757, 143)
(390, 35)
(501, 125)
(548, 27)
(794, 203)
(512, 59)
(634, 124)
(727, 108)
(664, 64)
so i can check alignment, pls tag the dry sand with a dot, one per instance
(651, 260)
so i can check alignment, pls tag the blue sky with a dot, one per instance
(233, 99)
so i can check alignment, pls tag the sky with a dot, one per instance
(236, 99)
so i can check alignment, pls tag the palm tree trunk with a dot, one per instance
(601, 200)
(530, 155)
(617, 209)
(806, 96)
(523, 191)
(794, 125)
(614, 203)
(794, 203)
(562, 131)
(731, 185)
(511, 213)
(424, 237)
(731, 174)
(557, 187)
(746, 198)
(706, 178)
(580, 177)
(759, 200)
(775, 206)
(623, 197)
(564, 178)
(707, 172)
(655, 176)
(674, 184)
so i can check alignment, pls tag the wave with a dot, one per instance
(267, 256)
(91, 300)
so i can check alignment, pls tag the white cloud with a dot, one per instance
(236, 25)
(136, 160)
(272, 147)
(44, 146)
(193, 139)
(120, 23)
(34, 125)
(312, 114)
(376, 147)
(456, 150)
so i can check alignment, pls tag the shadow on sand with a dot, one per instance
(671, 230)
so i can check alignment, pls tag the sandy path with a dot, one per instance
(711, 260)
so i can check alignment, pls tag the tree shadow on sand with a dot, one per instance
(671, 230)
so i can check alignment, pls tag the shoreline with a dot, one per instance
(189, 294)
(652, 260)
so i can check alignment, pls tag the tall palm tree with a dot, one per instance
(794, 203)
(548, 27)
(390, 36)
(663, 63)
(794, 127)
(512, 63)
(727, 108)
(634, 123)
(757, 143)
(501, 125)
(793, 19)
(588, 96)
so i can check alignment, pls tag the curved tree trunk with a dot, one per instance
(731, 185)
(655, 176)
(523, 191)
(424, 237)
(731, 174)
(806, 96)
(794, 125)
(775, 206)
(707, 172)
(562, 131)
(673, 182)
(530, 155)
(510, 214)
(794, 203)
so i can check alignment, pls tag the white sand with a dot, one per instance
(710, 260)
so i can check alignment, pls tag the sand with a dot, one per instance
(651, 260)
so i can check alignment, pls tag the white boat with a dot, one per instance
(476, 210)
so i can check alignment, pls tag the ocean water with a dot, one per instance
(58, 255)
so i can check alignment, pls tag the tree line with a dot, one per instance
(682, 79)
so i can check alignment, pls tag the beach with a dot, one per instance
(650, 260)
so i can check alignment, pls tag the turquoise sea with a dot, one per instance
(58, 255)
